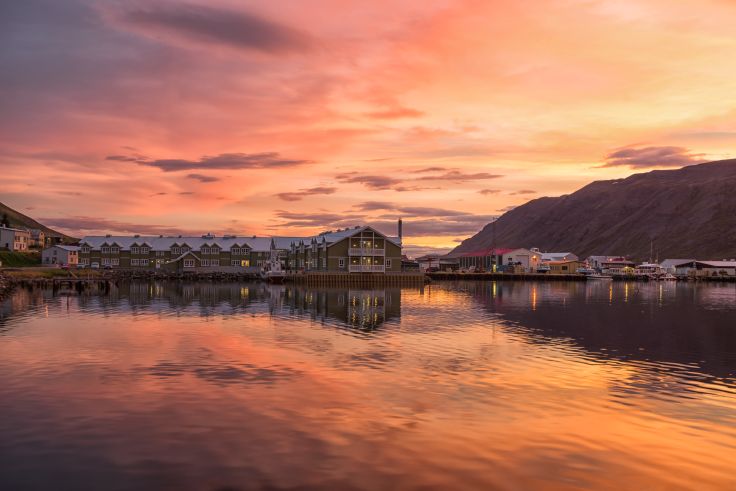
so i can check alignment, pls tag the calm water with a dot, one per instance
(458, 386)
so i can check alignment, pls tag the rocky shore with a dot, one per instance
(5, 286)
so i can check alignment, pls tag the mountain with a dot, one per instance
(688, 212)
(18, 219)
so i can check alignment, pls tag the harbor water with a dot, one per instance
(454, 385)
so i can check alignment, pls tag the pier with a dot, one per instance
(357, 279)
(439, 275)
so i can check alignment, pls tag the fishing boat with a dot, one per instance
(272, 271)
(599, 276)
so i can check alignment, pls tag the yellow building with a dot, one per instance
(564, 267)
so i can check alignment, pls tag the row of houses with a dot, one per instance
(351, 250)
(21, 239)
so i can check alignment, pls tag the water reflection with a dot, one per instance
(454, 386)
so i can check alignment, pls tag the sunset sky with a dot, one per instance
(296, 116)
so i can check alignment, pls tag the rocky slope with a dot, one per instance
(688, 212)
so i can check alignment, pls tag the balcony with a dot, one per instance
(366, 268)
(366, 251)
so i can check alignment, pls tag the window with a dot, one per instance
(341, 263)
(204, 251)
(134, 262)
(145, 250)
(84, 250)
(106, 250)
(135, 250)
(115, 250)
(84, 260)
(115, 261)
(160, 253)
(189, 263)
(204, 262)
(106, 261)
(144, 262)
(234, 262)
(175, 251)
(214, 262)
(324, 262)
(388, 263)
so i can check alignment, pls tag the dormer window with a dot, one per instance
(135, 250)
(115, 250)
(145, 250)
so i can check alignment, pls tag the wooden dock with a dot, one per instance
(316, 278)
(439, 275)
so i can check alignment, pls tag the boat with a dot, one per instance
(599, 276)
(586, 271)
(272, 271)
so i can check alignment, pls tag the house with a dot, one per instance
(564, 267)
(63, 255)
(38, 238)
(14, 239)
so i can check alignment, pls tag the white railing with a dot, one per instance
(366, 268)
(366, 251)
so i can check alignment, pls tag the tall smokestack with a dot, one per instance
(401, 232)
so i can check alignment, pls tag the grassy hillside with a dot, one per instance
(17, 219)
(17, 259)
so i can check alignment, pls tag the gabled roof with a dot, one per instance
(717, 264)
(188, 253)
(673, 263)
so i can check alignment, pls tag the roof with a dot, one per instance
(671, 263)
(158, 243)
(66, 248)
(556, 256)
(15, 229)
(258, 244)
(718, 264)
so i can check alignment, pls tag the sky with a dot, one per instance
(292, 117)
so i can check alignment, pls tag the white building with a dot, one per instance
(558, 256)
(526, 258)
(14, 239)
(61, 254)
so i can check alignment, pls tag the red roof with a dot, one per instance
(486, 252)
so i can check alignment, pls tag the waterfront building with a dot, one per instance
(63, 255)
(351, 250)
(438, 262)
(557, 256)
(618, 266)
(14, 239)
(500, 259)
(677, 267)
(564, 267)
(596, 262)
(361, 249)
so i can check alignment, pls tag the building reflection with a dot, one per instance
(364, 309)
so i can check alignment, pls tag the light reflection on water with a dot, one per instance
(455, 386)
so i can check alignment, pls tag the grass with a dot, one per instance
(19, 259)
(48, 273)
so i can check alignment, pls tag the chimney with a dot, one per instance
(401, 231)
